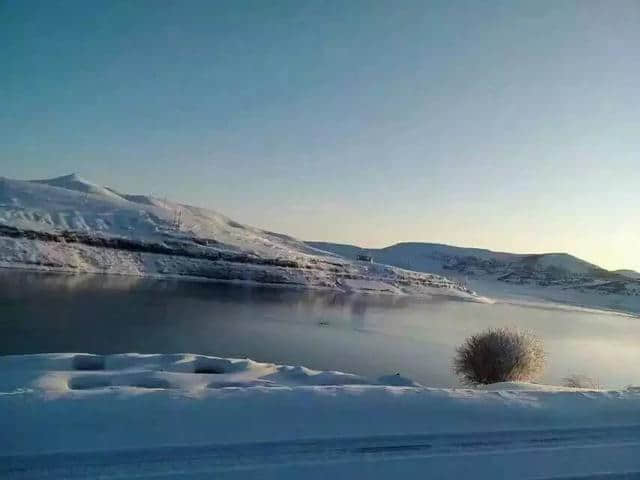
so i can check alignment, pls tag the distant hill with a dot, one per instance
(430, 256)
(559, 277)
(628, 273)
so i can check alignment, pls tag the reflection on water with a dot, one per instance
(370, 335)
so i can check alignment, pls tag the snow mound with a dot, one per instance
(63, 374)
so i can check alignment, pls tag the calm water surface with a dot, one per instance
(370, 335)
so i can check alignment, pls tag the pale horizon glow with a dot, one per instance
(511, 126)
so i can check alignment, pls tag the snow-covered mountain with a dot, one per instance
(559, 277)
(73, 225)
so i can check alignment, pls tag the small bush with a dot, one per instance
(499, 355)
(577, 380)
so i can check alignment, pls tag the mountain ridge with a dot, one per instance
(467, 250)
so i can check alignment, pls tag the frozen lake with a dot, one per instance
(369, 335)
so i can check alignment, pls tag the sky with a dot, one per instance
(513, 126)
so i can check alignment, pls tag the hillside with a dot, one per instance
(628, 273)
(557, 277)
(69, 224)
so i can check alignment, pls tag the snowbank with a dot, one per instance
(81, 402)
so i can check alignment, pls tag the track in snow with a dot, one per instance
(593, 453)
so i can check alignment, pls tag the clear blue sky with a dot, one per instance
(507, 125)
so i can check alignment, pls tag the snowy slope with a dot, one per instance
(79, 205)
(192, 416)
(556, 277)
(73, 225)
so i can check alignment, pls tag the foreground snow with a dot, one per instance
(192, 416)
(69, 224)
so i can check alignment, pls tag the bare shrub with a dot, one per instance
(576, 380)
(499, 355)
